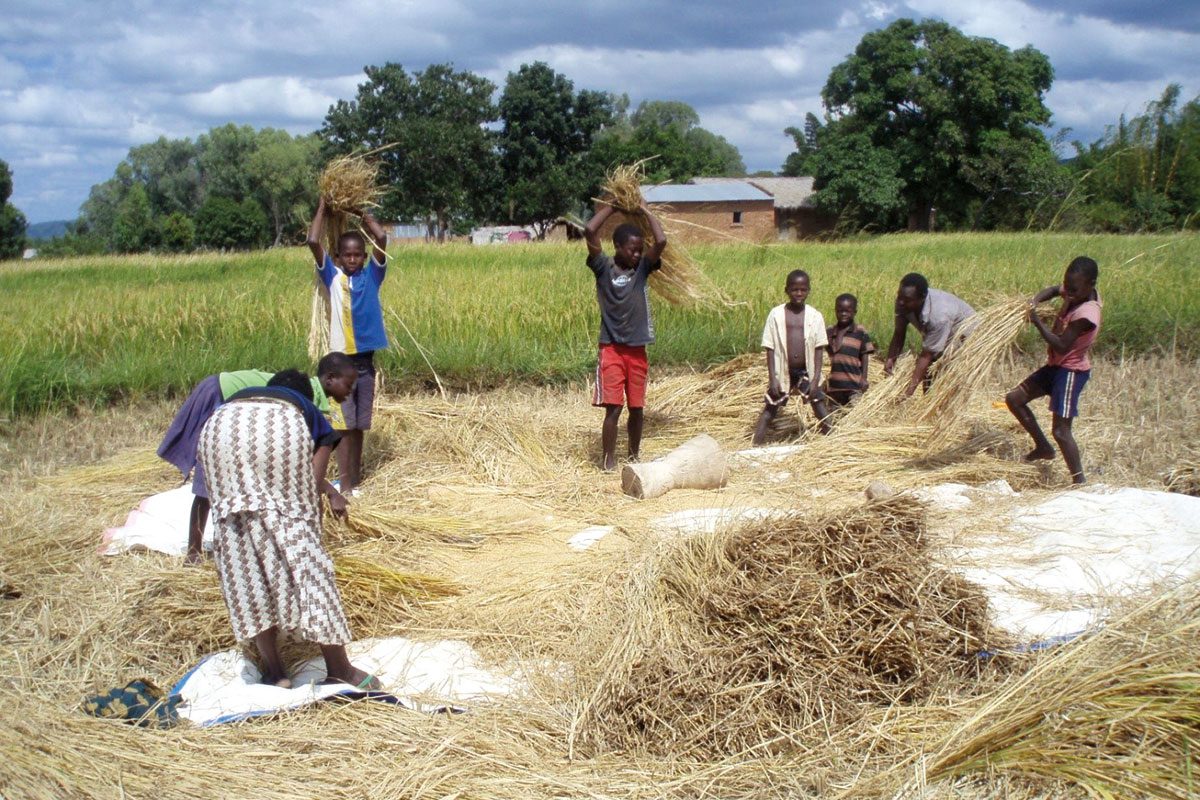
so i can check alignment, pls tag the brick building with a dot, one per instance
(708, 212)
(796, 217)
(724, 209)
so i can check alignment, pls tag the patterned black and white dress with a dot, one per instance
(274, 571)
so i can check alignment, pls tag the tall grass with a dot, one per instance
(95, 330)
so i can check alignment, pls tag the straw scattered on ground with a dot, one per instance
(658, 623)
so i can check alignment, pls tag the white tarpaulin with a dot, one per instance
(160, 522)
(1048, 563)
(424, 676)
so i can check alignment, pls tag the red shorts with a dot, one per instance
(621, 376)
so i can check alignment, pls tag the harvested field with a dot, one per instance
(824, 652)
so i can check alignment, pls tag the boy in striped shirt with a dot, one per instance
(355, 325)
(850, 349)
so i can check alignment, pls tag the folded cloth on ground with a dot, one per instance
(423, 676)
(139, 702)
(160, 522)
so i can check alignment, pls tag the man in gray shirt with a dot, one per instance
(625, 323)
(941, 318)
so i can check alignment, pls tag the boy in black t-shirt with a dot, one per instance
(625, 323)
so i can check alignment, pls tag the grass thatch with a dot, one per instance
(680, 281)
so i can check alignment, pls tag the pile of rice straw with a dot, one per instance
(349, 185)
(770, 634)
(679, 281)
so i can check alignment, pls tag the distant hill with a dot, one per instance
(47, 230)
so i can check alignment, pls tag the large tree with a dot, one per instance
(440, 164)
(927, 109)
(224, 159)
(547, 132)
(283, 174)
(12, 221)
(668, 133)
(169, 170)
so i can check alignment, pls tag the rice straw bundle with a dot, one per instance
(968, 366)
(776, 632)
(349, 185)
(365, 581)
(185, 604)
(124, 468)
(365, 523)
(679, 281)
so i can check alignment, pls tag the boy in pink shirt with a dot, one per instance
(1068, 365)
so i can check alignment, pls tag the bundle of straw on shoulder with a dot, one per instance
(679, 281)
(348, 185)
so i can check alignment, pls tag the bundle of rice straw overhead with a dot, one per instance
(679, 281)
(774, 633)
(348, 185)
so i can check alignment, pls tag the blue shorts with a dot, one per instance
(1063, 385)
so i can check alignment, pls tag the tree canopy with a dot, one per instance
(440, 164)
(12, 221)
(923, 117)
(544, 142)
(1144, 174)
(668, 133)
(161, 184)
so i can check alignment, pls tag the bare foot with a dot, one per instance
(194, 558)
(1039, 454)
(610, 464)
(283, 682)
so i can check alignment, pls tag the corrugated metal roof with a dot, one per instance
(788, 193)
(734, 191)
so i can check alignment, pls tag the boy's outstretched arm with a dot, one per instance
(591, 231)
(378, 235)
(315, 230)
(654, 252)
(1049, 293)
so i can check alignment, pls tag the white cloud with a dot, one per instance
(82, 82)
(282, 97)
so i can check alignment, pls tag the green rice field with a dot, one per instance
(93, 331)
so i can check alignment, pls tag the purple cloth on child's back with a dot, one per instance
(179, 444)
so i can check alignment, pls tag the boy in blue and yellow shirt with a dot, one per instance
(355, 325)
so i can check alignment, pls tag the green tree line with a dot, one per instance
(923, 127)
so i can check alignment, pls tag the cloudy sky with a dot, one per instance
(82, 82)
